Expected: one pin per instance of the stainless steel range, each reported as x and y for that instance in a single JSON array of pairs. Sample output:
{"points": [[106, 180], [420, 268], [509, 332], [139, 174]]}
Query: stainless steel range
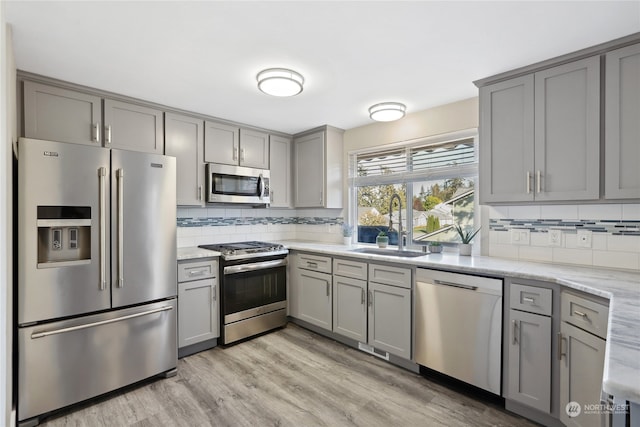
{"points": [[253, 288]]}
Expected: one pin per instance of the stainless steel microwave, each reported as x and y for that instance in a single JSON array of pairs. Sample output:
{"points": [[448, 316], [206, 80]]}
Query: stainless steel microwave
{"points": [[237, 184]]}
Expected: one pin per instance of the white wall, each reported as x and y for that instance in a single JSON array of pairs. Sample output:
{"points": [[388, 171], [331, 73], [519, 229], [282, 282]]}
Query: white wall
{"points": [[8, 134]]}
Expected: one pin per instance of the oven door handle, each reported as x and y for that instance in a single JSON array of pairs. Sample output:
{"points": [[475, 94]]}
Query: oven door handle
{"points": [[244, 268]]}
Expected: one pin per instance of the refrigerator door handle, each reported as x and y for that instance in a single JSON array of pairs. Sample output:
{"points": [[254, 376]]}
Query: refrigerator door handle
{"points": [[102, 322], [120, 178], [102, 173]]}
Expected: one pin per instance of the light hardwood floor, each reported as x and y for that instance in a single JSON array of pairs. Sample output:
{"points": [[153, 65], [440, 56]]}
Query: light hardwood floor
{"points": [[290, 377]]}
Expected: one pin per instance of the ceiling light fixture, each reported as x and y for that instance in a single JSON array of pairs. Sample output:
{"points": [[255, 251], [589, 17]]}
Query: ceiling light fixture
{"points": [[280, 82], [387, 111]]}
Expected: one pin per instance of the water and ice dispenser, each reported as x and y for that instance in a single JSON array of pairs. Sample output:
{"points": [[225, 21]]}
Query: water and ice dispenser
{"points": [[64, 236]]}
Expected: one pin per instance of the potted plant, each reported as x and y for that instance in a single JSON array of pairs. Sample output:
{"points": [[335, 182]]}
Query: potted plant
{"points": [[465, 238], [435, 247], [383, 239], [347, 233]]}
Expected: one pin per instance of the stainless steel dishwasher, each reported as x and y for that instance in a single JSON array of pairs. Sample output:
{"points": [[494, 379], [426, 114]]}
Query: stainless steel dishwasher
{"points": [[459, 326]]}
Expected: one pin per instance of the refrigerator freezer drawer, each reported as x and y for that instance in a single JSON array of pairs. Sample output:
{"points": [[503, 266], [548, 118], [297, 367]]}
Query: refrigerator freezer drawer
{"points": [[66, 362]]}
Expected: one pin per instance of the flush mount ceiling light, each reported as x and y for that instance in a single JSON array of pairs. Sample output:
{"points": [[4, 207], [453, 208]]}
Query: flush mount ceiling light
{"points": [[387, 111], [280, 82]]}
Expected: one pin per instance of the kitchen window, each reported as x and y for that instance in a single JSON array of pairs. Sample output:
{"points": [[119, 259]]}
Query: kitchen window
{"points": [[435, 179]]}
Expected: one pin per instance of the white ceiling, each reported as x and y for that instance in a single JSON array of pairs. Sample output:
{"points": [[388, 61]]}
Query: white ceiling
{"points": [[203, 56]]}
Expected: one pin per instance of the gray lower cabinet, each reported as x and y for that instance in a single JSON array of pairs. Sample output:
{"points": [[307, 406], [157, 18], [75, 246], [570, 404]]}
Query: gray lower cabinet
{"points": [[198, 302], [314, 301], [540, 135], [582, 336], [133, 127], [529, 378], [184, 139], [390, 319], [350, 308], [55, 114], [622, 127]]}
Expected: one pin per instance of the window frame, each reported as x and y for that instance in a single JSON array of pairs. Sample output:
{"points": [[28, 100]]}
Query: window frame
{"points": [[409, 177]]}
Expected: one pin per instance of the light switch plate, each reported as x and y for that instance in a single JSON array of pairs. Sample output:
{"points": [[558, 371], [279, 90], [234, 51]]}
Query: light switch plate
{"points": [[520, 236], [555, 237], [584, 238]]}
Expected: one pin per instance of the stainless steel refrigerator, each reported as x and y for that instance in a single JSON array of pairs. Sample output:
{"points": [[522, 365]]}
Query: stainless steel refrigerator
{"points": [[96, 297]]}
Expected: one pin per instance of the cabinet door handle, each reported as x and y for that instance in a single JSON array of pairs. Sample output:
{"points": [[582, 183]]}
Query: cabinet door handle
{"points": [[514, 332], [370, 295], [362, 296], [529, 300], [213, 290], [328, 289], [528, 182], [199, 195], [312, 264], [96, 132], [197, 272], [242, 154], [107, 136], [235, 153], [538, 184], [321, 201], [581, 314], [561, 340]]}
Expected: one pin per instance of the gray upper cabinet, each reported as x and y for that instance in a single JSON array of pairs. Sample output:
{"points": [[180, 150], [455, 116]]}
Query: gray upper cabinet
{"points": [[133, 127], [506, 134], [280, 172], [62, 115], [221, 143], [567, 131], [622, 127], [184, 139], [254, 149], [540, 135], [231, 145], [318, 169]]}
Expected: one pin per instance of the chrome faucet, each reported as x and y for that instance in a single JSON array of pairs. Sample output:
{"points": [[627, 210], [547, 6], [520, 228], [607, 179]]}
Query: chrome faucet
{"points": [[393, 197]]}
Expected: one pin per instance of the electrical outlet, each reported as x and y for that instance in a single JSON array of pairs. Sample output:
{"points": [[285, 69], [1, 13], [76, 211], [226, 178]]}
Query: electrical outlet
{"points": [[584, 238], [520, 236], [555, 237]]}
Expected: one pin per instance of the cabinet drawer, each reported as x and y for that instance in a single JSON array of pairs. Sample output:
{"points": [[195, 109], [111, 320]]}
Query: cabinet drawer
{"points": [[531, 299], [348, 268], [388, 275], [585, 314], [197, 269], [314, 263]]}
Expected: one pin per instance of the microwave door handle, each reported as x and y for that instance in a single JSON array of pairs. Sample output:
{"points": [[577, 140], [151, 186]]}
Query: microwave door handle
{"points": [[261, 186]]}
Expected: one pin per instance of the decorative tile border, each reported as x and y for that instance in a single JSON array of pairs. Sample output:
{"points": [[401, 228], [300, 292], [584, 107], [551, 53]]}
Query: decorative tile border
{"points": [[629, 228], [267, 220]]}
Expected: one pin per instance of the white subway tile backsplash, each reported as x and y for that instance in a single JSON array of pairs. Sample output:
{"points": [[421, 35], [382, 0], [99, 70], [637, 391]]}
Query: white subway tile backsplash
{"points": [[611, 212], [503, 251], [623, 243], [565, 212], [573, 256], [524, 212], [599, 241], [539, 254], [539, 239], [626, 260], [570, 240], [631, 212]]}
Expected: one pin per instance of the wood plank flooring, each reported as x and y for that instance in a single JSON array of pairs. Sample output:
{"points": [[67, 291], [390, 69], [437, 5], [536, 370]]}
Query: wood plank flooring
{"points": [[290, 377]]}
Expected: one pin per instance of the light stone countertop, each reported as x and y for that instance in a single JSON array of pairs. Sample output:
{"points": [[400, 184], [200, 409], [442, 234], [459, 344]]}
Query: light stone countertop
{"points": [[622, 357], [195, 253]]}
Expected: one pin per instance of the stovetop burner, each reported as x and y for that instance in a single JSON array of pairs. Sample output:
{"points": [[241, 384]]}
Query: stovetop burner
{"points": [[240, 250]]}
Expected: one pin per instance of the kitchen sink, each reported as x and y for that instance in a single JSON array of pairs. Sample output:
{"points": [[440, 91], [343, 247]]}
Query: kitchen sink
{"points": [[389, 252]]}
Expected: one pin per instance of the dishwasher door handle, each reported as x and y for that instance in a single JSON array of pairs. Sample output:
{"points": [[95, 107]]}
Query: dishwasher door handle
{"points": [[456, 285]]}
